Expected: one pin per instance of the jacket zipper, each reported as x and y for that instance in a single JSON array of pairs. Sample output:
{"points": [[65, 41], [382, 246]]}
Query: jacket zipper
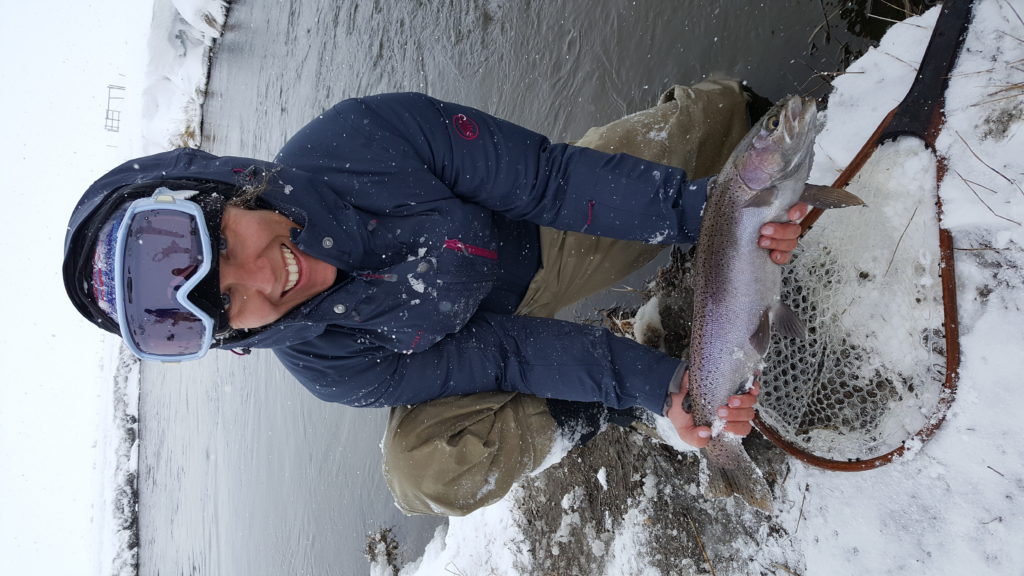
{"points": [[377, 276], [456, 244]]}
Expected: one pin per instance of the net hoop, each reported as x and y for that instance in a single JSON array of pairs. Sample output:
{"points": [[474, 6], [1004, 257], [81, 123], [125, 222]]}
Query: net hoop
{"points": [[947, 276]]}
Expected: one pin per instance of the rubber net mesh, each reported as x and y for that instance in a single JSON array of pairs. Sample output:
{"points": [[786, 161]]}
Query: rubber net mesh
{"points": [[865, 281]]}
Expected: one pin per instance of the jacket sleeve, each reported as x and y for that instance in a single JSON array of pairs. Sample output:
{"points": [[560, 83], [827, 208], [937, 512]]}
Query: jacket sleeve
{"points": [[393, 138], [493, 352]]}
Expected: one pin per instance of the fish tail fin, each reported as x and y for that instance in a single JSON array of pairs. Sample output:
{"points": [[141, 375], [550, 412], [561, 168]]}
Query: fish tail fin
{"points": [[730, 471]]}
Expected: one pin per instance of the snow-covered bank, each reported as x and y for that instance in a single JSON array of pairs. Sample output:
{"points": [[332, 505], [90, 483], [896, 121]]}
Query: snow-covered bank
{"points": [[119, 462], [183, 36], [954, 506]]}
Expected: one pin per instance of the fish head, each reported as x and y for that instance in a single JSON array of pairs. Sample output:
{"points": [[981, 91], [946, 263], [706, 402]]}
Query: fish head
{"points": [[779, 144]]}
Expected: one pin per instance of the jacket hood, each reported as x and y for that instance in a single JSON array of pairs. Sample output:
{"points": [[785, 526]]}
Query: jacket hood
{"points": [[230, 174]]}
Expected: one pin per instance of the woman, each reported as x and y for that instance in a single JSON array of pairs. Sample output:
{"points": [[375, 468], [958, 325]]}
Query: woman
{"points": [[402, 251]]}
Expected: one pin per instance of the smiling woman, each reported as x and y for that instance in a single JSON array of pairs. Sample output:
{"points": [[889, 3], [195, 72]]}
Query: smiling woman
{"points": [[401, 265]]}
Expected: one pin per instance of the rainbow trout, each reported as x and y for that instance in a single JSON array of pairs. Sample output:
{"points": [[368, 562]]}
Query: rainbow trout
{"points": [[737, 288]]}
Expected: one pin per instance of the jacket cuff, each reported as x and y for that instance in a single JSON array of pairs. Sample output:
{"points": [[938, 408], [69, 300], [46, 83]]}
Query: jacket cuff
{"points": [[695, 196], [675, 385]]}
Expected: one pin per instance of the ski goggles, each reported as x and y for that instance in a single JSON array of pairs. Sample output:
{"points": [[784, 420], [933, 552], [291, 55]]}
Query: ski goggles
{"points": [[162, 256]]}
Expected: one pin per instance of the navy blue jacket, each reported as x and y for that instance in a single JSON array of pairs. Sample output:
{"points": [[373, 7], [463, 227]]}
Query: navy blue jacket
{"points": [[433, 210]]}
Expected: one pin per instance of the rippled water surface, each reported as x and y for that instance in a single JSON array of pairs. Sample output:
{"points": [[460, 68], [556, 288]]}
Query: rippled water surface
{"points": [[244, 472]]}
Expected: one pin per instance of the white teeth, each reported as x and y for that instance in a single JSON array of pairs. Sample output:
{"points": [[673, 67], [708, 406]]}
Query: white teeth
{"points": [[291, 266]]}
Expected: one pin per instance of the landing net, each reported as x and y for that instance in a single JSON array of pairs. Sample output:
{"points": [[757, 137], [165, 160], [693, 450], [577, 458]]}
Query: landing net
{"points": [[865, 281]]}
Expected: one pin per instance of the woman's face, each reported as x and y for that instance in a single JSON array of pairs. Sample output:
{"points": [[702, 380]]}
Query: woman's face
{"points": [[263, 273]]}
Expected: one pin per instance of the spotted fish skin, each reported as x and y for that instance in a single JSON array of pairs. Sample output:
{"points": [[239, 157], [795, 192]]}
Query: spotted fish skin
{"points": [[737, 288]]}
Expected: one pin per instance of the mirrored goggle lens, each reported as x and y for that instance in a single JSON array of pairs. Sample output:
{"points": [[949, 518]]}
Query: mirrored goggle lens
{"points": [[163, 253]]}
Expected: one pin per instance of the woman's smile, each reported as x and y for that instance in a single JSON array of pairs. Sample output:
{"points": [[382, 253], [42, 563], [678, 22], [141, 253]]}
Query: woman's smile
{"points": [[291, 267]]}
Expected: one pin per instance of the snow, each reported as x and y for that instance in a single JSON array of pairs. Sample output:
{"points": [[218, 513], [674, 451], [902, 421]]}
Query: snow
{"points": [[490, 537], [179, 56], [954, 505], [630, 537]]}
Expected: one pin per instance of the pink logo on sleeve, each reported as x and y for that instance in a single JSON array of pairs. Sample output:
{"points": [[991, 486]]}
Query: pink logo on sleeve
{"points": [[465, 126]]}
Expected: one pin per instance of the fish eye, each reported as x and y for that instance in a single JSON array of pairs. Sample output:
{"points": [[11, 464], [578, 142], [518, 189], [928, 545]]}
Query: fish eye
{"points": [[772, 122]]}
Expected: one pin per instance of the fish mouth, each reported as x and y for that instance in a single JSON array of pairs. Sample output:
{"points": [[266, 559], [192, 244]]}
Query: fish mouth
{"points": [[798, 118], [804, 114], [291, 268]]}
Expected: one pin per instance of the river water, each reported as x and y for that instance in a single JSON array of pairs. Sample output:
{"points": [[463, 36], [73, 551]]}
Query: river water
{"points": [[242, 472]]}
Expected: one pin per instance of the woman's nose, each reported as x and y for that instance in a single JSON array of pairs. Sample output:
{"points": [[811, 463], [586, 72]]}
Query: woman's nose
{"points": [[253, 274]]}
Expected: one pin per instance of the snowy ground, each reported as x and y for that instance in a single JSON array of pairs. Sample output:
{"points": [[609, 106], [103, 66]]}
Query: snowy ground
{"points": [[955, 506]]}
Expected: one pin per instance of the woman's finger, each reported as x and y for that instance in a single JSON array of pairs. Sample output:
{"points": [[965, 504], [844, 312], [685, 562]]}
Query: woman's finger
{"points": [[780, 257], [698, 436], [736, 414], [780, 231], [782, 244], [742, 401], [738, 428]]}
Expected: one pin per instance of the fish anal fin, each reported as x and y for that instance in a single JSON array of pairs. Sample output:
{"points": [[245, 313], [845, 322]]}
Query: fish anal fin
{"points": [[828, 197], [762, 336]]}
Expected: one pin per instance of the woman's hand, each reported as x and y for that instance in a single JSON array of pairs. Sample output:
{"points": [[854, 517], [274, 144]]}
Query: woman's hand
{"points": [[737, 414], [781, 237]]}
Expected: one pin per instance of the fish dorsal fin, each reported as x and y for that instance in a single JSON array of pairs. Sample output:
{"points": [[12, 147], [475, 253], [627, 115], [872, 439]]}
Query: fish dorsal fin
{"points": [[762, 336], [787, 323], [761, 199], [825, 197]]}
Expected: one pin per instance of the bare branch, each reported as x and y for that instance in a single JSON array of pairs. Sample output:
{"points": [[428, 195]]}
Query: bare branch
{"points": [[900, 241], [975, 192], [983, 102], [895, 21], [1014, 10], [700, 543], [905, 8], [986, 163], [784, 569], [912, 66], [1011, 36]]}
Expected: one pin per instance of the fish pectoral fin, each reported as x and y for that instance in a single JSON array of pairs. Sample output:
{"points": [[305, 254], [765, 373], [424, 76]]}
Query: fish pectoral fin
{"points": [[762, 336], [787, 323], [761, 199], [828, 197], [783, 320], [711, 185]]}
